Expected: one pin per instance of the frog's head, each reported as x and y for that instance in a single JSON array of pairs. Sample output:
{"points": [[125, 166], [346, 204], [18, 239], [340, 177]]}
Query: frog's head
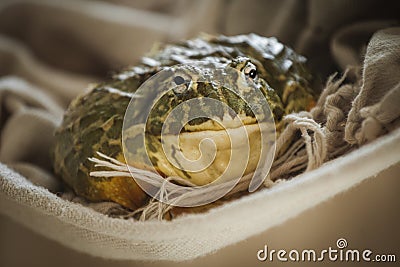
{"points": [[225, 82], [209, 100]]}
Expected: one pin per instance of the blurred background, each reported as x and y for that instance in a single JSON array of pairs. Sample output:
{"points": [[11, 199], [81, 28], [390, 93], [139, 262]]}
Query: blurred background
{"points": [[61, 46], [82, 41]]}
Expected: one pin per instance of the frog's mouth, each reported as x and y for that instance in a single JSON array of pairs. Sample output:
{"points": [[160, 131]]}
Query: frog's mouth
{"points": [[227, 122]]}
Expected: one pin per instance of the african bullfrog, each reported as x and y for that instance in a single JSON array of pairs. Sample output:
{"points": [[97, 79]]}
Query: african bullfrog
{"points": [[94, 120]]}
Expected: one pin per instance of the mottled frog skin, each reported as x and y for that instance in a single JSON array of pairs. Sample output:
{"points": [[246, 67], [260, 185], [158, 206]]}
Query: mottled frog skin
{"points": [[93, 121]]}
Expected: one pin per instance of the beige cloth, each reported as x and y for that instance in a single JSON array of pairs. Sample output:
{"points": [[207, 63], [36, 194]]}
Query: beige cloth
{"points": [[376, 109], [31, 110]]}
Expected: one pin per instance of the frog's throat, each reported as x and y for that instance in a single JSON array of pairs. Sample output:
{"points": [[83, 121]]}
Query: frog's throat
{"points": [[236, 152]]}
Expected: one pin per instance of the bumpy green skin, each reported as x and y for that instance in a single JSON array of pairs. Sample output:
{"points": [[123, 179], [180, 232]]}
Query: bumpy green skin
{"points": [[93, 122]]}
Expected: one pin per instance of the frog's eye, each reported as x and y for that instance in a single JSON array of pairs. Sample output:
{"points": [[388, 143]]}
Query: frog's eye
{"points": [[251, 71], [253, 74], [179, 80]]}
